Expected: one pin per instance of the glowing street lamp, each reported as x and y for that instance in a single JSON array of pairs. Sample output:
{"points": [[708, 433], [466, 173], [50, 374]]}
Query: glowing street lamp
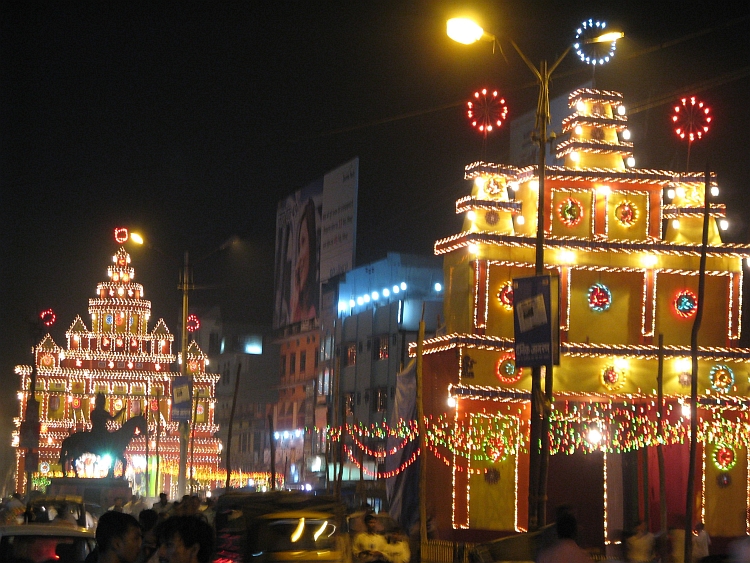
{"points": [[466, 31]]}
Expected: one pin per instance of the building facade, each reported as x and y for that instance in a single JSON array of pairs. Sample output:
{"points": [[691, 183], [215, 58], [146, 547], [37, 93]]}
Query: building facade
{"points": [[133, 367], [624, 244]]}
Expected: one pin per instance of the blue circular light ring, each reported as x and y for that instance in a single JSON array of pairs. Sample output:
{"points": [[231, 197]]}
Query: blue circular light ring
{"points": [[587, 52], [722, 378]]}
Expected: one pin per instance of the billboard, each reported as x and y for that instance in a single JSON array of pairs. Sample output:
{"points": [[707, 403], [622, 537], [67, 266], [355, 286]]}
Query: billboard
{"points": [[315, 238]]}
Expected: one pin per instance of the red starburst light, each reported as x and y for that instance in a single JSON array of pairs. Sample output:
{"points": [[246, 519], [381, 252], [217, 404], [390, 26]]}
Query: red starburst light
{"points": [[48, 317], [487, 110], [193, 323], [121, 235], [691, 119]]}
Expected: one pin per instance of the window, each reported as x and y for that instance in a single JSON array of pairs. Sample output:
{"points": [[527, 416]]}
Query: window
{"points": [[349, 404], [380, 350], [302, 361], [324, 382], [292, 363], [351, 354], [317, 356], [282, 370], [380, 400]]}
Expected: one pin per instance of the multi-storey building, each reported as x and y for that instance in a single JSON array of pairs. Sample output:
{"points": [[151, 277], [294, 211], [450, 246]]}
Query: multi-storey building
{"points": [[625, 245], [132, 366]]}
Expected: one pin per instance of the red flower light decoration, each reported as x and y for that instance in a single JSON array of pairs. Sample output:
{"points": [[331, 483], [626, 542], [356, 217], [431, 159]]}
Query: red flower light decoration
{"points": [[691, 118], [193, 323], [486, 111], [686, 303], [121, 235], [570, 211], [505, 295], [506, 370], [48, 317], [724, 458]]}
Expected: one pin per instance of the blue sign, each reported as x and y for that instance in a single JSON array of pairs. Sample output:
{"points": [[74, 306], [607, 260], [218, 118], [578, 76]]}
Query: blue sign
{"points": [[182, 398], [536, 321]]}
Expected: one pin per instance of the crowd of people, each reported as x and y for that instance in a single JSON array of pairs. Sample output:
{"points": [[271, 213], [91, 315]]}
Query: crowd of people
{"points": [[374, 545], [178, 532]]}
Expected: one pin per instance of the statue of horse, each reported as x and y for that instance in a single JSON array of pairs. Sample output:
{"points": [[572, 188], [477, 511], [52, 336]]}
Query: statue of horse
{"points": [[114, 445]]}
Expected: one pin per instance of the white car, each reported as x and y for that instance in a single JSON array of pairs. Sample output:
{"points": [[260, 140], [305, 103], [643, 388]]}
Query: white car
{"points": [[45, 543]]}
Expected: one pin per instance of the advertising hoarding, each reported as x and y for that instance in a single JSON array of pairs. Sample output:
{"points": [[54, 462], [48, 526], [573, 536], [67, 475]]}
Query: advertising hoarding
{"points": [[315, 240]]}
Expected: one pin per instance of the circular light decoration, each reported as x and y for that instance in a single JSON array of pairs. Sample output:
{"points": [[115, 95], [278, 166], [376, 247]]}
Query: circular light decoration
{"points": [[506, 369], [487, 110], [570, 212], [626, 213], [121, 235], [600, 297], [154, 404], [109, 319], [505, 295], [47, 360], [691, 119], [593, 53], [686, 303], [492, 217], [613, 378], [76, 402], [193, 365], [48, 317], [193, 323], [118, 404], [722, 378], [685, 378], [492, 476], [724, 457]]}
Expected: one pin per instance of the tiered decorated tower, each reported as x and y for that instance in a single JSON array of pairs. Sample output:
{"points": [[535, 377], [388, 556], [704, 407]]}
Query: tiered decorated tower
{"points": [[132, 367], [625, 244]]}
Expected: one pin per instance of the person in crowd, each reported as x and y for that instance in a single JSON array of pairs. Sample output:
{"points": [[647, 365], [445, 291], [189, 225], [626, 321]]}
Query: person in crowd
{"points": [[701, 542], [163, 505], [397, 548], [185, 539], [370, 545], [118, 506], [148, 520], [565, 550], [134, 506], [641, 544], [118, 538]]}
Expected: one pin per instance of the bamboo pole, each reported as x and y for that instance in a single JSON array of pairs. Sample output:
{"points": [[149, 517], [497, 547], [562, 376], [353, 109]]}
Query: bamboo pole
{"points": [[422, 436], [231, 425], [694, 375]]}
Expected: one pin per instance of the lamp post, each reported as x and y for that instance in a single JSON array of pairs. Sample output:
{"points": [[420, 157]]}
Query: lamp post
{"points": [[466, 31]]}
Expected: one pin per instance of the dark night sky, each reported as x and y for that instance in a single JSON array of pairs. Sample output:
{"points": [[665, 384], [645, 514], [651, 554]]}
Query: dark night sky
{"points": [[188, 122]]}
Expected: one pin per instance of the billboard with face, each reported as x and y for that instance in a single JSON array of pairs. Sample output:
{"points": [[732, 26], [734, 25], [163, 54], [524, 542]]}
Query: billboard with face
{"points": [[315, 238], [297, 276]]}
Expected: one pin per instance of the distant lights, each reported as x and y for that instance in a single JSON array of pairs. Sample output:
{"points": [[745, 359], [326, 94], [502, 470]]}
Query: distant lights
{"points": [[670, 193], [649, 260], [366, 298], [626, 134], [575, 157], [520, 220], [375, 295], [579, 130], [451, 401], [473, 248], [580, 106], [534, 185], [594, 436], [603, 190], [396, 289], [675, 223], [630, 161], [438, 287], [402, 285], [360, 301], [386, 292], [471, 215], [714, 191], [621, 111], [723, 224]]}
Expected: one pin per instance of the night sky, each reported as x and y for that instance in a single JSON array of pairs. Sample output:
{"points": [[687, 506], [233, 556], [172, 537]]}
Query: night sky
{"points": [[189, 122]]}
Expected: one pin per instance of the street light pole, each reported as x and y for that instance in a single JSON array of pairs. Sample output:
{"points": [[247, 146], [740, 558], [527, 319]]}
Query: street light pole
{"points": [[466, 31], [184, 426]]}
